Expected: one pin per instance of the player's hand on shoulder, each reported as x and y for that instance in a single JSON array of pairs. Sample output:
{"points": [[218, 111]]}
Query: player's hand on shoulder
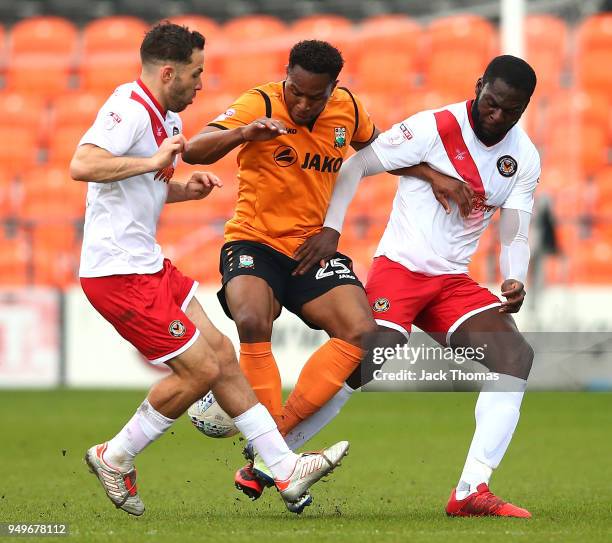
{"points": [[514, 292], [317, 249], [200, 185], [168, 149], [263, 129]]}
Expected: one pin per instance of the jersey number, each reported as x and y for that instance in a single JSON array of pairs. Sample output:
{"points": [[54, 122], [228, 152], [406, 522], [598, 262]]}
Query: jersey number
{"points": [[336, 266]]}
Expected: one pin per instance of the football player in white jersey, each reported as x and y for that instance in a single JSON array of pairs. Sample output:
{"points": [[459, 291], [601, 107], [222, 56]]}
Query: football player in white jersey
{"points": [[419, 274], [128, 158]]}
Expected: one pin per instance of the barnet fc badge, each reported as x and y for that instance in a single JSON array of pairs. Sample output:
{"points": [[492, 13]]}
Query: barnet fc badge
{"points": [[339, 136]]}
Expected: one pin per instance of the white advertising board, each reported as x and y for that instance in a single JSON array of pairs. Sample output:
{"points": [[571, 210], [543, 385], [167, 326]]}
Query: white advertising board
{"points": [[29, 337]]}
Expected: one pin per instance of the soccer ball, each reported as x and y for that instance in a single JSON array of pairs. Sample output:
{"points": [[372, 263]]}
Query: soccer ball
{"points": [[208, 417]]}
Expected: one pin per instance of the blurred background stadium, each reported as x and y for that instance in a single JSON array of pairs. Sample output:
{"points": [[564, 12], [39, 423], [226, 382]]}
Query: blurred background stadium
{"points": [[60, 59]]}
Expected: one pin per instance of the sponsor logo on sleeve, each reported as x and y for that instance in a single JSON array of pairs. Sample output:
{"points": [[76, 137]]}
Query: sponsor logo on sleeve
{"points": [[112, 119], [507, 166], [226, 115], [395, 137]]}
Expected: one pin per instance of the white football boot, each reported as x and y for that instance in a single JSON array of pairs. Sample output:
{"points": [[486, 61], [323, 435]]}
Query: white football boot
{"points": [[119, 487], [309, 468]]}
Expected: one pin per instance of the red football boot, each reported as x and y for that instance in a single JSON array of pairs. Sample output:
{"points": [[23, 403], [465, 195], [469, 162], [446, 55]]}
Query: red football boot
{"points": [[483, 503]]}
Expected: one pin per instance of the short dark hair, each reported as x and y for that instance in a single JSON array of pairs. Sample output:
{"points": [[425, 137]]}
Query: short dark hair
{"points": [[317, 57], [514, 71], [169, 42]]}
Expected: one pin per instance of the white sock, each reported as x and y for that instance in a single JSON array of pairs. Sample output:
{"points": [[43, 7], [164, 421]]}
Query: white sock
{"points": [[258, 427], [310, 427], [497, 414], [143, 428]]}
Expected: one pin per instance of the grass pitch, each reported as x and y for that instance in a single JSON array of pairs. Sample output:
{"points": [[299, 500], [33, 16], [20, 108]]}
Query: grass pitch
{"points": [[407, 451]]}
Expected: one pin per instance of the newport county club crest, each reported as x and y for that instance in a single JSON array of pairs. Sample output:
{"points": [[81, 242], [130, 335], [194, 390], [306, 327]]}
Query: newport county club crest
{"points": [[177, 329], [339, 136], [506, 166], [175, 131], [381, 305]]}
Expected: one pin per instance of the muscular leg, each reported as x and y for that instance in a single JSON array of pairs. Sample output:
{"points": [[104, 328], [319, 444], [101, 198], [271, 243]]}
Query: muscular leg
{"points": [[344, 313], [253, 307], [210, 363], [508, 354]]}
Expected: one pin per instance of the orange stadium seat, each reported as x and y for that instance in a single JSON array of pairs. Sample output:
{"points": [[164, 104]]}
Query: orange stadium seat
{"points": [[41, 57], [23, 110], [382, 107], [63, 144], [113, 34], [421, 100], [454, 73], [250, 27], [193, 248], [603, 187], [591, 262], [383, 33], [22, 153], [591, 72], [14, 256], [8, 195], [50, 194], [462, 34], [585, 148], [335, 29], [102, 74], [387, 71], [75, 109], [206, 107], [594, 33], [55, 253], [250, 66], [546, 46], [574, 108], [204, 25]]}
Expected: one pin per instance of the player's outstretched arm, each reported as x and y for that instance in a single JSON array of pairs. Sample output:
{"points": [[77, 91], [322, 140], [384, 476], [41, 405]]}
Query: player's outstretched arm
{"points": [[514, 257], [199, 186], [320, 247], [94, 164], [213, 143]]}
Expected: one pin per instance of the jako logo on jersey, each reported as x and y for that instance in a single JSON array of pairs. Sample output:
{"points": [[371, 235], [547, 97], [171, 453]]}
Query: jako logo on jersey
{"points": [[381, 305], [175, 131], [506, 166], [177, 329], [246, 261], [285, 155], [313, 162], [339, 137]]}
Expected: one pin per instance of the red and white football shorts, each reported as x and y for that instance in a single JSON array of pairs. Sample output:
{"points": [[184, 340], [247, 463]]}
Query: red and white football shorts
{"points": [[147, 309], [438, 304]]}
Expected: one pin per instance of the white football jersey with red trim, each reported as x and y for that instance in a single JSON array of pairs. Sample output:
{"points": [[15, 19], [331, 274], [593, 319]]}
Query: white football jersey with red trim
{"points": [[121, 217], [419, 234]]}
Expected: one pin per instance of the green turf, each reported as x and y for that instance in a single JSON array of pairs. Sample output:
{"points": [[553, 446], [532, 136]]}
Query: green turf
{"points": [[406, 453]]}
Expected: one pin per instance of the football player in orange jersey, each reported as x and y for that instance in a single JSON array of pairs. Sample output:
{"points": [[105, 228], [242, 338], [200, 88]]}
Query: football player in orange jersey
{"points": [[294, 136]]}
